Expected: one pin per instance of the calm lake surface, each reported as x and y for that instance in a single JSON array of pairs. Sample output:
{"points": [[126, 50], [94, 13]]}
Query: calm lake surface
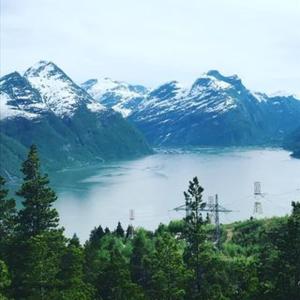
{"points": [[154, 185]]}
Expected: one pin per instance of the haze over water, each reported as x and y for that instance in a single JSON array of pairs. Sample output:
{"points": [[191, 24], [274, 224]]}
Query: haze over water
{"points": [[154, 185]]}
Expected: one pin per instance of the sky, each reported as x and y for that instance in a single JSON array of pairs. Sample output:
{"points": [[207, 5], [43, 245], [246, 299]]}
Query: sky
{"points": [[153, 41]]}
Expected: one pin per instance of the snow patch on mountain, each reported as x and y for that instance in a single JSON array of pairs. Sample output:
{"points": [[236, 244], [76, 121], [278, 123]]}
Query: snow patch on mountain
{"points": [[58, 91], [10, 111], [98, 88]]}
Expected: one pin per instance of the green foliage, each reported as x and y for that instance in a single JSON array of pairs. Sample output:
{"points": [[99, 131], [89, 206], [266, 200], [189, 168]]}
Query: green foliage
{"points": [[4, 280], [256, 259], [194, 235], [37, 214], [119, 231], [38, 266], [71, 275], [7, 218], [168, 272], [114, 280], [142, 248]]}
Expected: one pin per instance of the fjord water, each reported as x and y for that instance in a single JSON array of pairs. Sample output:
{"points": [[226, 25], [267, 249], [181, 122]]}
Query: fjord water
{"points": [[154, 185]]}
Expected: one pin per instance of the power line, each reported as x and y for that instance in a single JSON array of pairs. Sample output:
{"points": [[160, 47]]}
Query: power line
{"points": [[214, 209]]}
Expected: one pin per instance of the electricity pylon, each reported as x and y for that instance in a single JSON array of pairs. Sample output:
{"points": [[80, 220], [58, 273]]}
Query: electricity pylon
{"points": [[214, 209]]}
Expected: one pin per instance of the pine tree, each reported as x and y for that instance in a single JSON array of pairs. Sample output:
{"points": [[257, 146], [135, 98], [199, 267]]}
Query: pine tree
{"points": [[37, 214], [39, 243], [291, 253], [7, 218], [119, 231], [129, 232], [96, 235], [114, 281], [141, 250], [71, 275], [194, 234]]}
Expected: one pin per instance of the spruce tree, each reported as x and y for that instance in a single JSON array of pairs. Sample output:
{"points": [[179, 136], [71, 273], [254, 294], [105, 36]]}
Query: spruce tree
{"points": [[291, 253], [114, 281], [37, 214], [194, 234], [96, 235], [71, 275], [129, 232], [141, 250], [119, 231], [39, 243], [7, 218]]}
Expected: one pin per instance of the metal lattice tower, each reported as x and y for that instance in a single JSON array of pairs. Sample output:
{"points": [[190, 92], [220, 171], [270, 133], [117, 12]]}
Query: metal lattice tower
{"points": [[258, 195], [214, 209]]}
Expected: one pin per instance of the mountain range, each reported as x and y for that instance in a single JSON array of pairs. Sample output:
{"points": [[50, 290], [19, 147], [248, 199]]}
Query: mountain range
{"points": [[103, 119], [216, 110], [44, 106]]}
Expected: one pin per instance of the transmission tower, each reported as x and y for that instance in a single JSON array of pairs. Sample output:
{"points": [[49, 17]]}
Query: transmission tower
{"points": [[214, 209], [258, 195]]}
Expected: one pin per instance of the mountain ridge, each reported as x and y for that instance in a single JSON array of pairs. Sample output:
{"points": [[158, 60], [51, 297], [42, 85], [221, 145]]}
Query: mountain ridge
{"points": [[214, 110], [47, 108]]}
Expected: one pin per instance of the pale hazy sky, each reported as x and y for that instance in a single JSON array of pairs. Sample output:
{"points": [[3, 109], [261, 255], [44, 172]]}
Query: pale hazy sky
{"points": [[152, 41]]}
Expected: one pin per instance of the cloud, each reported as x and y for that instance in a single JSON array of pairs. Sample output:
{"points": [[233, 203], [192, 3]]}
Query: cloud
{"points": [[154, 41]]}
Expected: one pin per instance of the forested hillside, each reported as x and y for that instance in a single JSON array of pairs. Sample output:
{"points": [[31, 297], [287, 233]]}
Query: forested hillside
{"points": [[255, 259]]}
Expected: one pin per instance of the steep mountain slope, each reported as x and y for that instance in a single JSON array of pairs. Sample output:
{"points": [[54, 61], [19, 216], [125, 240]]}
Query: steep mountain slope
{"points": [[214, 110], [292, 143], [47, 108], [120, 96]]}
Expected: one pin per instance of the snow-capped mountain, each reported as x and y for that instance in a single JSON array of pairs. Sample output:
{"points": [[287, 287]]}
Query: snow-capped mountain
{"points": [[120, 96], [214, 110], [59, 92], [19, 98], [70, 127]]}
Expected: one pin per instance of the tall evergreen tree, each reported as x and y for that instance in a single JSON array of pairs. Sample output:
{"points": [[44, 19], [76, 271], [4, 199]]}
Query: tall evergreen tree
{"points": [[37, 214], [39, 243], [114, 281], [129, 232], [141, 250], [194, 234], [119, 231], [71, 275], [96, 235], [106, 230], [7, 218], [291, 253]]}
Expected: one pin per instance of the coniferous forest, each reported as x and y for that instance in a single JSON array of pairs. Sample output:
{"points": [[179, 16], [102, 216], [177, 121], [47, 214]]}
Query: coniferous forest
{"points": [[254, 259]]}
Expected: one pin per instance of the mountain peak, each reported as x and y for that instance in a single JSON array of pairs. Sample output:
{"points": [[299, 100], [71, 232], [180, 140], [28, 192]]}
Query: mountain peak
{"points": [[44, 68], [58, 90], [232, 79], [18, 98]]}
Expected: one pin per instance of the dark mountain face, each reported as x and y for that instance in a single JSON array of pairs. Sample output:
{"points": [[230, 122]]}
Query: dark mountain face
{"points": [[70, 128], [292, 143], [214, 110]]}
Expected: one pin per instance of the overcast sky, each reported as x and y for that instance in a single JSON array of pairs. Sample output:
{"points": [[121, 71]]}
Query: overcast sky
{"points": [[153, 41]]}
